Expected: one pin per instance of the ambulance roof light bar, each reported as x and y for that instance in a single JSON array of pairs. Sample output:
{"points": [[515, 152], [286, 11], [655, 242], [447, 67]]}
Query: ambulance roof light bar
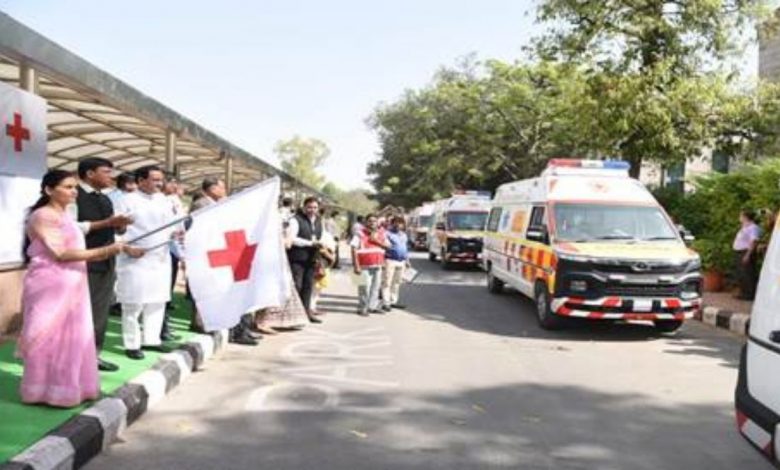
{"points": [[471, 192], [594, 164]]}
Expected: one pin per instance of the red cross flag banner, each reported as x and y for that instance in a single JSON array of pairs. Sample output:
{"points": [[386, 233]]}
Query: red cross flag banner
{"points": [[234, 255], [22, 164]]}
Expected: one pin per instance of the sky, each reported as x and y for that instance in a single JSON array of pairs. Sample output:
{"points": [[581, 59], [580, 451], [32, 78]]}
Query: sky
{"points": [[256, 72]]}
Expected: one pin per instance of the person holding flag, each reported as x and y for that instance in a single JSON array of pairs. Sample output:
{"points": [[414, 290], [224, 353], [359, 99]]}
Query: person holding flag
{"points": [[143, 283]]}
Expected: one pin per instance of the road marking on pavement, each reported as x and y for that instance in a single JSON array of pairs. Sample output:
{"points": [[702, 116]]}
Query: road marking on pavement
{"points": [[329, 362]]}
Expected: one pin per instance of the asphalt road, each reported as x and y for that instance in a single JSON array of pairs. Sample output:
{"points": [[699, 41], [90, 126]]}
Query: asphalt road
{"points": [[461, 380]]}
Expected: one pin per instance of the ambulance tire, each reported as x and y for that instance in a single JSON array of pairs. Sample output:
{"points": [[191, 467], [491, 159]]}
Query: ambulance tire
{"points": [[547, 319], [667, 326], [494, 284], [431, 256]]}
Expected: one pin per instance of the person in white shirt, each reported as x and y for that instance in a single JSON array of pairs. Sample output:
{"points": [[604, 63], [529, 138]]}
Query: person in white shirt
{"points": [[143, 283], [125, 184], [305, 229]]}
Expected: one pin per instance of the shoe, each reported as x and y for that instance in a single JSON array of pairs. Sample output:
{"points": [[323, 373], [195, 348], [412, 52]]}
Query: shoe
{"points": [[169, 307], [134, 354], [314, 319], [267, 330], [169, 337], [244, 340], [197, 329], [386, 308], [363, 313], [254, 335], [161, 348], [317, 312], [106, 366], [374, 310], [115, 310], [399, 306]]}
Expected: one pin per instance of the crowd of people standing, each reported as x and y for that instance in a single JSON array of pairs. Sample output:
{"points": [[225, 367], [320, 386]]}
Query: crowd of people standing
{"points": [[94, 246]]}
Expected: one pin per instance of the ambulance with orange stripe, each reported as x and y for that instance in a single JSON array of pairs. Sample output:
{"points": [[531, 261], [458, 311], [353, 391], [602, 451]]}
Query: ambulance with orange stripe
{"points": [[586, 240]]}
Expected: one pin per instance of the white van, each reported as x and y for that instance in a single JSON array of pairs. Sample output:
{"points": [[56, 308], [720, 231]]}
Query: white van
{"points": [[585, 240], [457, 228], [418, 225], [758, 386]]}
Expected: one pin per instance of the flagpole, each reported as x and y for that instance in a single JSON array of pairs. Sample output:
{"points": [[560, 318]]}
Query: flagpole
{"points": [[200, 211]]}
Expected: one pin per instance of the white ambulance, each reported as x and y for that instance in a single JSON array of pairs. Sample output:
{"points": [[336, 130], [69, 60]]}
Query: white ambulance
{"points": [[758, 386], [586, 240], [418, 225], [457, 228]]}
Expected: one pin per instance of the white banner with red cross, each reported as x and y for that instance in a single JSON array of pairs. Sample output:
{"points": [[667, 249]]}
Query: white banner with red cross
{"points": [[234, 255], [22, 164]]}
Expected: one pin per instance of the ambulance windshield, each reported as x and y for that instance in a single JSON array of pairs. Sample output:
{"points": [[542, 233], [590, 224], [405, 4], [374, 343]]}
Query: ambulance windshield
{"points": [[425, 220], [466, 220], [604, 222]]}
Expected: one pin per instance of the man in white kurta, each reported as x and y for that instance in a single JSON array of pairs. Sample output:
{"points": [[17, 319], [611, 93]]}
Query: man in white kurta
{"points": [[143, 284]]}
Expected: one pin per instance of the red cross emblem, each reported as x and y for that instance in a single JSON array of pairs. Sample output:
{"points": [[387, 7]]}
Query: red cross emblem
{"points": [[18, 132], [238, 255]]}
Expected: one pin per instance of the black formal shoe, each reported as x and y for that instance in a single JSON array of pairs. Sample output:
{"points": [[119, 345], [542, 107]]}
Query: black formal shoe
{"points": [[169, 307], [374, 310], [158, 348], [115, 310], [134, 354], [244, 340], [254, 335], [314, 319], [363, 313], [386, 308], [197, 329], [399, 306], [169, 337], [106, 366]]}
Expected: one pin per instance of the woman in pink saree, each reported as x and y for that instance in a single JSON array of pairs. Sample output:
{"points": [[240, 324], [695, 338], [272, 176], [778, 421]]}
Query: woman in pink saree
{"points": [[57, 341]]}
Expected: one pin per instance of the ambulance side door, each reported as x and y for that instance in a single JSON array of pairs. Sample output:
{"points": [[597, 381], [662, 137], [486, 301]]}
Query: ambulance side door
{"points": [[763, 348], [493, 252]]}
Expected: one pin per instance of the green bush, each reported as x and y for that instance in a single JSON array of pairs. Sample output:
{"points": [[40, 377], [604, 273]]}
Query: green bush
{"points": [[711, 211]]}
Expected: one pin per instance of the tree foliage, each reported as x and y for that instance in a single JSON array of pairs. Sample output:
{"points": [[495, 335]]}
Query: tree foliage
{"points": [[475, 127], [302, 158]]}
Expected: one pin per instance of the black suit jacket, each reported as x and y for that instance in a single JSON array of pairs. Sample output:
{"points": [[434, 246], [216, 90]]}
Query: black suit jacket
{"points": [[93, 207]]}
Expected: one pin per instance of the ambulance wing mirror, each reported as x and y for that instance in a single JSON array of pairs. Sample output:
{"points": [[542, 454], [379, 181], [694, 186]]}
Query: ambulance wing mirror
{"points": [[686, 235], [538, 234]]}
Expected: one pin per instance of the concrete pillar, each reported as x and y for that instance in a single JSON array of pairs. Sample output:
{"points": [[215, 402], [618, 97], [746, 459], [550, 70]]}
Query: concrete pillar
{"points": [[170, 151], [28, 79], [228, 172]]}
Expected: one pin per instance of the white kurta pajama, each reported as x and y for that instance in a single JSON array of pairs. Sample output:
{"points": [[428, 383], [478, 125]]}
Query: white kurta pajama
{"points": [[143, 284]]}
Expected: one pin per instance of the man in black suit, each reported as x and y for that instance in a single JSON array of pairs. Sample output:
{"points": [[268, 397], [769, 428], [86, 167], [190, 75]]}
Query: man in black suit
{"points": [[95, 214]]}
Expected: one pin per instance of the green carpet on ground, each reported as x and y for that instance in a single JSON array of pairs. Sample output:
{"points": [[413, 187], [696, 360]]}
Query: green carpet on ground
{"points": [[22, 425]]}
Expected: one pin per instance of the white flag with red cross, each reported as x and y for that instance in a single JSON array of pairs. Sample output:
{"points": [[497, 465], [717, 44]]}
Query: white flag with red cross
{"points": [[234, 255], [22, 164]]}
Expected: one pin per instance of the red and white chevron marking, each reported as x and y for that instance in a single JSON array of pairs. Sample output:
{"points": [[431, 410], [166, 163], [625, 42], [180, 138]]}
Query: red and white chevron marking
{"points": [[755, 434], [567, 306]]}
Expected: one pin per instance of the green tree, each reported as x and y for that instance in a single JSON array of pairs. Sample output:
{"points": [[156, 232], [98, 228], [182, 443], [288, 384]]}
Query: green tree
{"points": [[302, 158], [654, 68], [476, 127]]}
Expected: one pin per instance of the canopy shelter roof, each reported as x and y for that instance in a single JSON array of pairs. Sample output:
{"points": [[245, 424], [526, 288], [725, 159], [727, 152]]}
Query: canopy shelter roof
{"points": [[92, 113]]}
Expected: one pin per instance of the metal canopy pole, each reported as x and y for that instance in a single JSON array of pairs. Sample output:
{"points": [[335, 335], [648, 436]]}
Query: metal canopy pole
{"points": [[28, 79], [170, 152], [228, 172]]}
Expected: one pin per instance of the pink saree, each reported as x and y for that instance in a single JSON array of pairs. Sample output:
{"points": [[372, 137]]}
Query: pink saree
{"points": [[57, 341]]}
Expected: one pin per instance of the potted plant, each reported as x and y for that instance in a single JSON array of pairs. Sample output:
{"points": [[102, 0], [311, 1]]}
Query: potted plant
{"points": [[716, 260]]}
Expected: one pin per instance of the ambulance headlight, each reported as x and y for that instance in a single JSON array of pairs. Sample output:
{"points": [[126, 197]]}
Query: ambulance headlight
{"points": [[574, 258], [694, 264], [579, 286], [690, 290]]}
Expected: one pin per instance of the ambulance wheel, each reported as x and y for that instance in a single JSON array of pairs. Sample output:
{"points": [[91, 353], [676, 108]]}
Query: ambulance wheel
{"points": [[494, 284], [431, 256], [544, 314], [667, 326]]}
